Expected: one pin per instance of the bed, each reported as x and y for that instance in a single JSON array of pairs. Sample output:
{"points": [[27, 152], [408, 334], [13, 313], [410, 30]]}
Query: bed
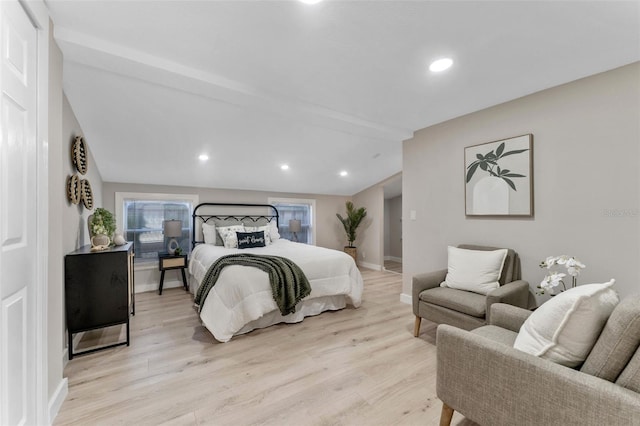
{"points": [[241, 300]]}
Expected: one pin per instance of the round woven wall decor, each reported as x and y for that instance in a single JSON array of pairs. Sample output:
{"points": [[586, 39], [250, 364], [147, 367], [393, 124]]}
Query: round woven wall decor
{"points": [[79, 155], [87, 194], [73, 189]]}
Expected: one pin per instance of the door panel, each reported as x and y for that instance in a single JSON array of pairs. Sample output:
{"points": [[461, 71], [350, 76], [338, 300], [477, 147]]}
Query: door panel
{"points": [[18, 156]]}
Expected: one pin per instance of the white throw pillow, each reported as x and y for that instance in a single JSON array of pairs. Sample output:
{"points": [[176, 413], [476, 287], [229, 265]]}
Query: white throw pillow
{"points": [[273, 231], [266, 229], [228, 235], [565, 328], [474, 270], [209, 233]]}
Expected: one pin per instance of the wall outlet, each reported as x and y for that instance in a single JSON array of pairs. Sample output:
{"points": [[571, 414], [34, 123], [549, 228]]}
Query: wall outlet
{"points": [[364, 255]]}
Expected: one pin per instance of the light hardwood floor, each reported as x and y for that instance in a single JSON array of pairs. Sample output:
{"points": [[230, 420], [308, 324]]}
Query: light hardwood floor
{"points": [[352, 367], [393, 266]]}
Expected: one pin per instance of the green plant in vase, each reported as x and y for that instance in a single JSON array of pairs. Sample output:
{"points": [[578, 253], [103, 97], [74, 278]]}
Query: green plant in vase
{"points": [[351, 223], [102, 222]]}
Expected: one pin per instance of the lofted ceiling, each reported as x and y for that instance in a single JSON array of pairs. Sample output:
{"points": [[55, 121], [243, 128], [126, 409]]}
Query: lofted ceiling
{"points": [[323, 88]]}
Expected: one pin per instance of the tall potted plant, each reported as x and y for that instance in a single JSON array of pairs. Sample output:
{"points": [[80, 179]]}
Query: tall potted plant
{"points": [[350, 224]]}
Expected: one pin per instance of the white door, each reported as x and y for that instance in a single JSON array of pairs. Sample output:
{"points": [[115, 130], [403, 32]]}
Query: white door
{"points": [[18, 155]]}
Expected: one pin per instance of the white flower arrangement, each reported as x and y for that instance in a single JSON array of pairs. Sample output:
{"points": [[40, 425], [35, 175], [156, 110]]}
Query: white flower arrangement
{"points": [[554, 279]]}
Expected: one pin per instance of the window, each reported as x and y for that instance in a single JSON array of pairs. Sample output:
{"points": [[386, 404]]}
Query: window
{"points": [[297, 209], [141, 218]]}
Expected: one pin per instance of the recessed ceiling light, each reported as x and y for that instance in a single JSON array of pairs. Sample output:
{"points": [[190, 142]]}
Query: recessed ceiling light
{"points": [[285, 167], [203, 157], [343, 173], [440, 65], [310, 1]]}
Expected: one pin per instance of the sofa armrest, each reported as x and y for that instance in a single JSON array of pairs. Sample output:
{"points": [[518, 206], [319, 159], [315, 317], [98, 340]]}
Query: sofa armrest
{"points": [[515, 293], [492, 383], [508, 316], [422, 282]]}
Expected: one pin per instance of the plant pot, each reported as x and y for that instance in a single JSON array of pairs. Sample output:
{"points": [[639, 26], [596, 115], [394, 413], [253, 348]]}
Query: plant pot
{"points": [[100, 242], [351, 251]]}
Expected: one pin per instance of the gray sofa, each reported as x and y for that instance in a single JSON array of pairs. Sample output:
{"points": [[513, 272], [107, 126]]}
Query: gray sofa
{"points": [[465, 309], [481, 375]]}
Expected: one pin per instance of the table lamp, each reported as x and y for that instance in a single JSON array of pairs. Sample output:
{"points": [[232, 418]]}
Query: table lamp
{"points": [[172, 229], [295, 226]]}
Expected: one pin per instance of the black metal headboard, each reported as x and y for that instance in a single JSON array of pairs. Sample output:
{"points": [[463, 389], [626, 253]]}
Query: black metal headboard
{"points": [[204, 217]]}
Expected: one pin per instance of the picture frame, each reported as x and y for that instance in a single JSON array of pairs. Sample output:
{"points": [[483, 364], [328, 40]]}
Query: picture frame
{"points": [[498, 178]]}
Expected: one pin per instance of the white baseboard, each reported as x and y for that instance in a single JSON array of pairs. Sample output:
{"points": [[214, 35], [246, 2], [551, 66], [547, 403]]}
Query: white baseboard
{"points": [[394, 258], [406, 298], [153, 286], [370, 266], [58, 398]]}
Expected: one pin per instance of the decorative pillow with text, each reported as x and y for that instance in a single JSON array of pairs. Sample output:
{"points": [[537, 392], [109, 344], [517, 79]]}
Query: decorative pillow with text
{"points": [[266, 229], [251, 239]]}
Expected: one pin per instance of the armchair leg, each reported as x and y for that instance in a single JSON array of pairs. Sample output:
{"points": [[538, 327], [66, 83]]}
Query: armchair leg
{"points": [[446, 415], [416, 326]]}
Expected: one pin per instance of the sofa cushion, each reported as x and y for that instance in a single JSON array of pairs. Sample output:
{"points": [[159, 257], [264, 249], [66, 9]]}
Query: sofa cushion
{"points": [[461, 301], [474, 270], [497, 334], [617, 343], [564, 329], [630, 376]]}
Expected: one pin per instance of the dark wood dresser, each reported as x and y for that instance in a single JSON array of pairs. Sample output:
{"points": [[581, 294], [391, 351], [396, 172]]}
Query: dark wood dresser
{"points": [[99, 291]]}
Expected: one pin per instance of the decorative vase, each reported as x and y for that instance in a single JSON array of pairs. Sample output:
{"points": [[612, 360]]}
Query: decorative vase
{"points": [[100, 242], [351, 251], [491, 196], [119, 240]]}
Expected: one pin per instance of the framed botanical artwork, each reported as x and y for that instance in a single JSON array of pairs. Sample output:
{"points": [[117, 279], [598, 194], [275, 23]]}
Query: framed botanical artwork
{"points": [[499, 177]]}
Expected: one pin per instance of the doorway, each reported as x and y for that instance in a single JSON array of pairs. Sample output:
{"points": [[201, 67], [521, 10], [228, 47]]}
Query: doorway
{"points": [[393, 225]]}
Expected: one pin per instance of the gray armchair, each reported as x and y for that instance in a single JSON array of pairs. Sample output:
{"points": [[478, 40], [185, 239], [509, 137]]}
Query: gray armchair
{"points": [[465, 309], [481, 375]]}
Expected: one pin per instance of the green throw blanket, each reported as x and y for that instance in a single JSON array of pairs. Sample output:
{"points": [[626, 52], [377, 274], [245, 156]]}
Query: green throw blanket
{"points": [[289, 285]]}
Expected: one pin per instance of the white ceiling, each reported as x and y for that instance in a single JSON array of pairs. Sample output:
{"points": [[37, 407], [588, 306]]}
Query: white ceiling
{"points": [[327, 87]]}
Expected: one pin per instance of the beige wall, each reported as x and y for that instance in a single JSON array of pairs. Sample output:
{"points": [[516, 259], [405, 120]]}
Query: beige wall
{"points": [[586, 182], [74, 220], [395, 227], [329, 232], [370, 234], [67, 222]]}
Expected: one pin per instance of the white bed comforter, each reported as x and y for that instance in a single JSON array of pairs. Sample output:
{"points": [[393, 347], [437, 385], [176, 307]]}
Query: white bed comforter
{"points": [[241, 300]]}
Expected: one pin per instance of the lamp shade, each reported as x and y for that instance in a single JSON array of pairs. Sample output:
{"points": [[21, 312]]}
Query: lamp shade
{"points": [[295, 225], [172, 228]]}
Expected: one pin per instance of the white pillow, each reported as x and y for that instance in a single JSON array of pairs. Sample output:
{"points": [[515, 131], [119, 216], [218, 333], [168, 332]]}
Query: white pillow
{"points": [[266, 229], [564, 329], [209, 233], [273, 232], [228, 235], [474, 270]]}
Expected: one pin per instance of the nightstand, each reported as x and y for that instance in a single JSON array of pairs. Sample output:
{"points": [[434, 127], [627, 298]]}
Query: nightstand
{"points": [[167, 262]]}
